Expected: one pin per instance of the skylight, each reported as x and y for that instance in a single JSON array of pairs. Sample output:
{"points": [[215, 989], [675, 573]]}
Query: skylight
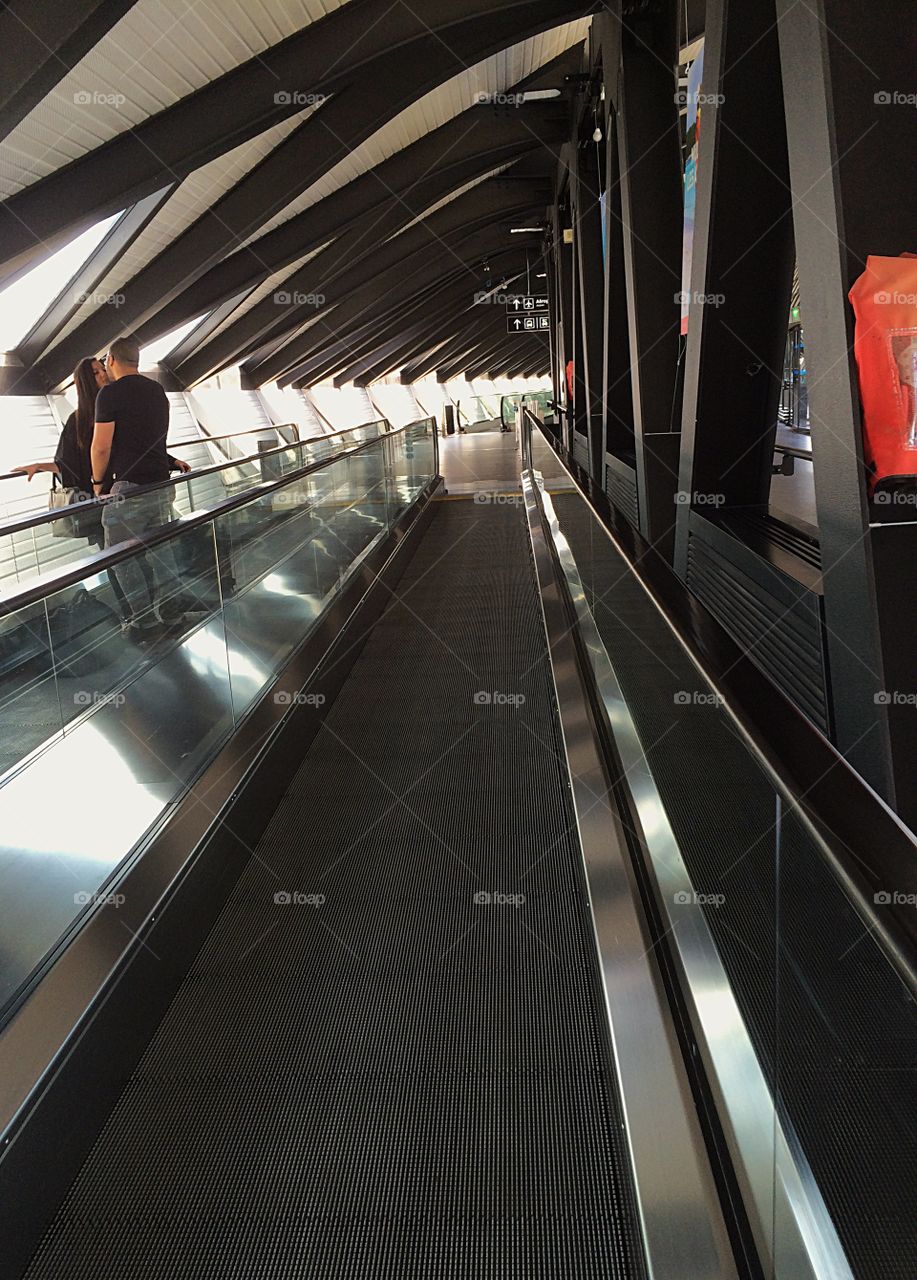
{"points": [[25, 301]]}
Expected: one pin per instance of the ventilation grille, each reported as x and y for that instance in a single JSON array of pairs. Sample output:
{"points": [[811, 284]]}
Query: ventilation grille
{"points": [[783, 635], [622, 493]]}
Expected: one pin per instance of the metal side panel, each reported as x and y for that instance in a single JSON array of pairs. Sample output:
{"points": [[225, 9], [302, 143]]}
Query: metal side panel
{"points": [[684, 1233]]}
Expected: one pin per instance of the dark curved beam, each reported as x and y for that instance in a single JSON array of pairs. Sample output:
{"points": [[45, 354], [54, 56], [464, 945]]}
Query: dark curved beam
{"points": [[323, 277], [351, 338], [298, 162], [362, 37], [484, 339], [480, 139], [436, 315], [383, 294], [39, 43], [356, 332]]}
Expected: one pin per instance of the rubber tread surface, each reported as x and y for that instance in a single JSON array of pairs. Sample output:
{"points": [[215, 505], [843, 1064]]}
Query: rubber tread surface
{"points": [[371, 1070]]}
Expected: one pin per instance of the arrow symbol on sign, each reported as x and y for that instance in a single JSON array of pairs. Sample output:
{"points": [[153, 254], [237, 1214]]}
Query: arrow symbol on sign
{"points": [[517, 322]]}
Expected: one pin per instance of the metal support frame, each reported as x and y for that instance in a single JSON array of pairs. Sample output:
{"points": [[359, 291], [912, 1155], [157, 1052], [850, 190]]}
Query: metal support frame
{"points": [[742, 270], [587, 243], [651, 212], [857, 197]]}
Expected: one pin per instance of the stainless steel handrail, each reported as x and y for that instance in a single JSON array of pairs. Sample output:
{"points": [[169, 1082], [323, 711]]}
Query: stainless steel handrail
{"points": [[49, 584]]}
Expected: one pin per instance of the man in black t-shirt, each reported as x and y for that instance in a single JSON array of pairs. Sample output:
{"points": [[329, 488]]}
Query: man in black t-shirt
{"points": [[128, 452]]}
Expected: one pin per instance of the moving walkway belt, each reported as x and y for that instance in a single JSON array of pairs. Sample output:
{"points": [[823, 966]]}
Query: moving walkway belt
{"points": [[389, 1058]]}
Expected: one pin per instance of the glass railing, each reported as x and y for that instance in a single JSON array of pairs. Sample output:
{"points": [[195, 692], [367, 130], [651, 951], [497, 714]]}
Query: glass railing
{"points": [[47, 541], [472, 410], [540, 402], [120, 677], [787, 940]]}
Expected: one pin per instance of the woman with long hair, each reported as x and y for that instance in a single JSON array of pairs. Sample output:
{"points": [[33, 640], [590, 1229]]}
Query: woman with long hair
{"points": [[71, 461]]}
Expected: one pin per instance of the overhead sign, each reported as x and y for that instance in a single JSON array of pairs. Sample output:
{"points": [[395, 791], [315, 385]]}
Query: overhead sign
{"points": [[526, 302], [527, 324]]}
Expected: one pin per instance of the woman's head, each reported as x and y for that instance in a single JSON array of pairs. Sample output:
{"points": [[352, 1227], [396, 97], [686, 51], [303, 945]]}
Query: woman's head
{"points": [[88, 376]]}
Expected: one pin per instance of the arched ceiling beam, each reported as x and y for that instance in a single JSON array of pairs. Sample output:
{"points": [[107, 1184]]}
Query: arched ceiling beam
{"points": [[480, 139], [432, 266], [433, 316], [353, 335], [324, 277], [373, 54], [40, 43], [484, 339]]}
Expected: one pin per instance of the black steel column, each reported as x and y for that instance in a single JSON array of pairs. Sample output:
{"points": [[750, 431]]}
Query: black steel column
{"points": [[851, 147], [587, 244], [651, 209], [742, 269]]}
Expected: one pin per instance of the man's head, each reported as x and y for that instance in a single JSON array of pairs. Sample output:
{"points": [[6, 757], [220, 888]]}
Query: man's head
{"points": [[123, 358]]}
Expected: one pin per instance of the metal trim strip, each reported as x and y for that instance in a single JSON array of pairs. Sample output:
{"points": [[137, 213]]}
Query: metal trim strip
{"points": [[776, 1181], [685, 1236]]}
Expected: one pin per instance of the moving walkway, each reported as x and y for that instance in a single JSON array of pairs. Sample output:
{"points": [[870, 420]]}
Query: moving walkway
{"points": [[447, 917]]}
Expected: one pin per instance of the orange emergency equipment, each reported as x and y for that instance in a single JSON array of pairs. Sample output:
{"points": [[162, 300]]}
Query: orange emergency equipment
{"points": [[884, 300]]}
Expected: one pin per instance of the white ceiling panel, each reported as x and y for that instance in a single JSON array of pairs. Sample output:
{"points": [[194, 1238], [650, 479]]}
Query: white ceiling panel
{"points": [[159, 52], [199, 192], [263, 290], [493, 75]]}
